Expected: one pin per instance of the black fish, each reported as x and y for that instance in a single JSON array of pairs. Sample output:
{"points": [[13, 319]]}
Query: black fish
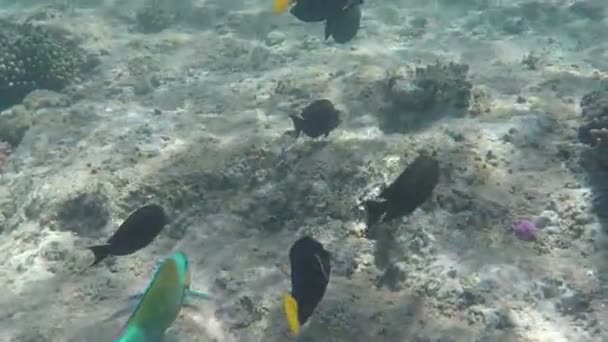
{"points": [[319, 10], [310, 273], [410, 190], [310, 11], [317, 119], [343, 17], [135, 233], [344, 26]]}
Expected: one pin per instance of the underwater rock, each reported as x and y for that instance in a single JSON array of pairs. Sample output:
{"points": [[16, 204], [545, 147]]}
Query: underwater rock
{"points": [[594, 130], [14, 123], [436, 90], [588, 10], [84, 214], [481, 102], [156, 15], [491, 317], [573, 303]]}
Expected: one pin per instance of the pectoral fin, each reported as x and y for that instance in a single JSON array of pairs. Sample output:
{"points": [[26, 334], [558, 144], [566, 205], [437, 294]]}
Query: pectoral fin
{"points": [[192, 296]]}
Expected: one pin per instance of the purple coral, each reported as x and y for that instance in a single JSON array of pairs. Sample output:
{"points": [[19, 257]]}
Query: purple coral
{"points": [[525, 230]]}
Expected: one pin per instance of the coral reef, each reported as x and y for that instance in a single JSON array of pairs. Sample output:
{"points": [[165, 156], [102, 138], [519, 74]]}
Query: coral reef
{"points": [[156, 15], [34, 57], [594, 130], [436, 90]]}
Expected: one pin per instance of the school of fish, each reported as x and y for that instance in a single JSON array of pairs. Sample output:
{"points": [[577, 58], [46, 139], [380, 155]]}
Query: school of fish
{"points": [[159, 305]]}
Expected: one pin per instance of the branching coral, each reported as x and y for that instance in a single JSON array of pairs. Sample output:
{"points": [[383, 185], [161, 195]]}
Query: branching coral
{"points": [[435, 90], [594, 130]]}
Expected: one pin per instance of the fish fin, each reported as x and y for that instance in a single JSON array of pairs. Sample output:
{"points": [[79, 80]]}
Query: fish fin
{"points": [[133, 299], [375, 210], [290, 305], [192, 296], [327, 29], [198, 295], [100, 252], [280, 6], [297, 124]]}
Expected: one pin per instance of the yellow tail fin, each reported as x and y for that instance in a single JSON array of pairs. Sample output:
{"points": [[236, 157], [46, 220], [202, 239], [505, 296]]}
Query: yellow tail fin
{"points": [[291, 312], [280, 6]]}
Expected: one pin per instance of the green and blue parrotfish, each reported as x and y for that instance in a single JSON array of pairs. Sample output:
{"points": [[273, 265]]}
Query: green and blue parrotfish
{"points": [[160, 304]]}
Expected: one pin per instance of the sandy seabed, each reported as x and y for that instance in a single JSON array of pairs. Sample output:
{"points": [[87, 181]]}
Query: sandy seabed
{"points": [[194, 117]]}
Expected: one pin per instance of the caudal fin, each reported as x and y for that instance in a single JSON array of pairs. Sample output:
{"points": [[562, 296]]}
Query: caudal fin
{"points": [[375, 210], [280, 6], [297, 124], [100, 252], [290, 305]]}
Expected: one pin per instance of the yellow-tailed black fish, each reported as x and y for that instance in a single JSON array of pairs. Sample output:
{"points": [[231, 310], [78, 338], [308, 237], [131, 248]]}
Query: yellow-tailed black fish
{"points": [[135, 233], [410, 190], [310, 272], [317, 119], [342, 17]]}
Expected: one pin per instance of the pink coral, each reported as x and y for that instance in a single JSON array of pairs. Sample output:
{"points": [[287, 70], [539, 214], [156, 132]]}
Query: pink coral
{"points": [[525, 230]]}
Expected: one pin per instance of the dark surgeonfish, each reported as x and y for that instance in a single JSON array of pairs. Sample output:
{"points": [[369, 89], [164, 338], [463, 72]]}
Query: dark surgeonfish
{"points": [[410, 190], [342, 17], [135, 233], [344, 27], [310, 272], [310, 11], [317, 119]]}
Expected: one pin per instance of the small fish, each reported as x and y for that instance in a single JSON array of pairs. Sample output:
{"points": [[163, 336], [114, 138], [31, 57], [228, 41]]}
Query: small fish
{"points": [[135, 233], [410, 190], [317, 119], [160, 304], [344, 26], [310, 272]]}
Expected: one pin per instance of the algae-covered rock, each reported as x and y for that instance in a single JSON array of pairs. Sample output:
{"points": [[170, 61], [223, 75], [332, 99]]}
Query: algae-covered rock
{"points": [[436, 90], [152, 17], [34, 57], [85, 213], [156, 15], [14, 123]]}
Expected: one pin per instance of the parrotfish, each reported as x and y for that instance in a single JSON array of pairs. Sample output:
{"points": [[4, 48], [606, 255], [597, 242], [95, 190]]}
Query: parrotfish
{"points": [[310, 272], [135, 233], [160, 304]]}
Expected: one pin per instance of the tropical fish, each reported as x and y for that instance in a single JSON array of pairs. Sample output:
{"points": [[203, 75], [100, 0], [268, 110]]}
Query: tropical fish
{"points": [[318, 118], [281, 5], [160, 304], [310, 11], [310, 272], [410, 190], [342, 17], [135, 233], [344, 26]]}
